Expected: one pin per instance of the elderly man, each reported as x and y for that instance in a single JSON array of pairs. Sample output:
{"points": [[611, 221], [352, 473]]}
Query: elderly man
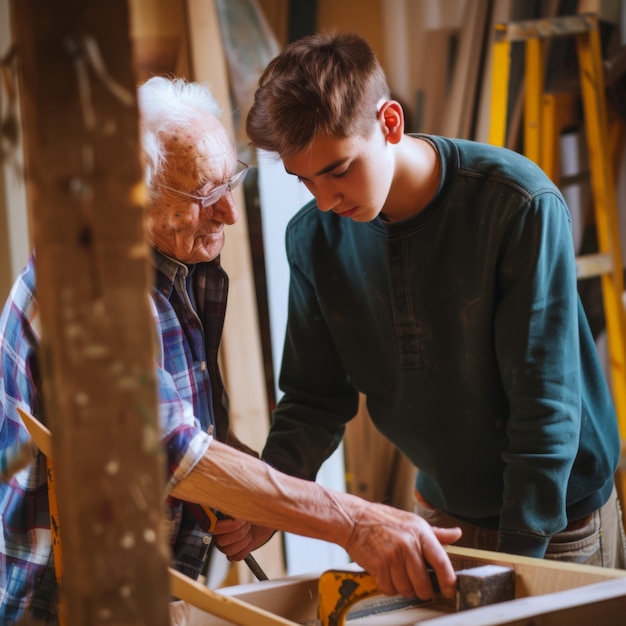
{"points": [[191, 168]]}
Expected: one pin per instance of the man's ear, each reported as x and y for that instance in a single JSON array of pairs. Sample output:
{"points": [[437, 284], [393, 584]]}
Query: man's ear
{"points": [[391, 117]]}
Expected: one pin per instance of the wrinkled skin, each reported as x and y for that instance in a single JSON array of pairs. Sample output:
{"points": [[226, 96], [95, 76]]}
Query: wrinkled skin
{"points": [[199, 158]]}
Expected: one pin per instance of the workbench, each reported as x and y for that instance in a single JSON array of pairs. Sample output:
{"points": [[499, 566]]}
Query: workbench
{"points": [[547, 593]]}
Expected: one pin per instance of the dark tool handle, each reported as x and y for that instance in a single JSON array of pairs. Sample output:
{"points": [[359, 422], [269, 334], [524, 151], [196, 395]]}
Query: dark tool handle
{"points": [[255, 568], [250, 561]]}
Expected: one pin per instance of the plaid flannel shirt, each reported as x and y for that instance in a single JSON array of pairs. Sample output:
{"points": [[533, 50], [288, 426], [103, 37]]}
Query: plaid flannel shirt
{"points": [[188, 305]]}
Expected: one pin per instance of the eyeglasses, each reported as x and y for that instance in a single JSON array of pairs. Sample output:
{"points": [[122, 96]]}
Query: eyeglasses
{"points": [[218, 192]]}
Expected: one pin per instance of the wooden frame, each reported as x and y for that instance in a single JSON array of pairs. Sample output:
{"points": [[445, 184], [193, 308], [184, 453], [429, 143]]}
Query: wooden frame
{"points": [[547, 592]]}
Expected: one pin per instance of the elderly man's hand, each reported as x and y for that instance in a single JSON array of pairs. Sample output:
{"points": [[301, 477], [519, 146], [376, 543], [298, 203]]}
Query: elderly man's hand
{"points": [[396, 547], [237, 538]]}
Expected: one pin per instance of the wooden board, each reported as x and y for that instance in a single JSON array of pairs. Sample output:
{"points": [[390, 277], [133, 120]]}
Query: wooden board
{"points": [[240, 354], [242, 362], [546, 591], [459, 110], [434, 79]]}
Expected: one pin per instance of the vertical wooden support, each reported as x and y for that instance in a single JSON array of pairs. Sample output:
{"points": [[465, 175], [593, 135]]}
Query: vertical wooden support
{"points": [[97, 353], [241, 356], [461, 101], [242, 361]]}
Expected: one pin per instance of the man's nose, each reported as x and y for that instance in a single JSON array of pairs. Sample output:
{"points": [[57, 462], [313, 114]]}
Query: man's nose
{"points": [[225, 210], [327, 198]]}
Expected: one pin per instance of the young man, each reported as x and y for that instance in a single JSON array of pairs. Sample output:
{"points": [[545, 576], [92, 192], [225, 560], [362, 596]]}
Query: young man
{"points": [[191, 168], [437, 277]]}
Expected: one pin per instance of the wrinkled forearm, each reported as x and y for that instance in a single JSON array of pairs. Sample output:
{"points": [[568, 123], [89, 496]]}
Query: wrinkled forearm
{"points": [[391, 544], [247, 488]]}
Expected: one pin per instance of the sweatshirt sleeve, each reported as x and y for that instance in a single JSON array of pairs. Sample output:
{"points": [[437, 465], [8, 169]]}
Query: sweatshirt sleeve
{"points": [[537, 344], [309, 421]]}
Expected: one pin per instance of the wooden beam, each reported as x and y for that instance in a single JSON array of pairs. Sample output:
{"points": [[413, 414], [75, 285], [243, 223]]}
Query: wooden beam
{"points": [[242, 361], [85, 192], [432, 88], [462, 99]]}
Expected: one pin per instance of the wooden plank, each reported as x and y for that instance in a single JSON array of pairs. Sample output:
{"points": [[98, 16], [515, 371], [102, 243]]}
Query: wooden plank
{"points": [[241, 352], [81, 142], [234, 609], [461, 103], [432, 87], [241, 356], [293, 597]]}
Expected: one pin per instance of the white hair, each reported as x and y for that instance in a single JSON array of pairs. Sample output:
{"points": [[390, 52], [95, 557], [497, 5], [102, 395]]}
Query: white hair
{"points": [[167, 106]]}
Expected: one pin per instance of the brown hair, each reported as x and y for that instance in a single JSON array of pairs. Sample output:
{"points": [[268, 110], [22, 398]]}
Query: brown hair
{"points": [[321, 84]]}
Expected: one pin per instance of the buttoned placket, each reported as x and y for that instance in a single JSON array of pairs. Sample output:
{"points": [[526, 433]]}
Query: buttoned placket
{"points": [[195, 337], [405, 323]]}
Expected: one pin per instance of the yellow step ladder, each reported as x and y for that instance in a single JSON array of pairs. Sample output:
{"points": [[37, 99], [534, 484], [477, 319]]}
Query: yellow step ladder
{"points": [[545, 115]]}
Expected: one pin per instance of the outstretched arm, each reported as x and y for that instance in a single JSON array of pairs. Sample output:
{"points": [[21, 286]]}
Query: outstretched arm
{"points": [[394, 546]]}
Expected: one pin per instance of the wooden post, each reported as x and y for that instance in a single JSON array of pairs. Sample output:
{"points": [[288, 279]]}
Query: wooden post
{"points": [[84, 184]]}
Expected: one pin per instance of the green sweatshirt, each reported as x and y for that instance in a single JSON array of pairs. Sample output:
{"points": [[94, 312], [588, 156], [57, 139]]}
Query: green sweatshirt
{"points": [[463, 328]]}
